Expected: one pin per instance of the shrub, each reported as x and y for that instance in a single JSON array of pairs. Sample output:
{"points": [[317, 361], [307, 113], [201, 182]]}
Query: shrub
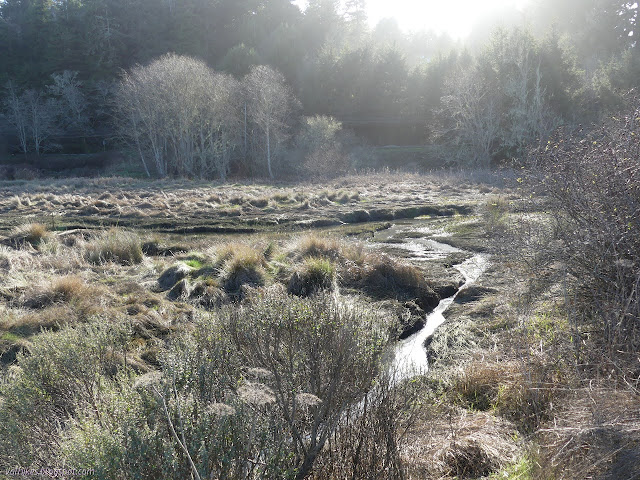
{"points": [[115, 245], [592, 183], [313, 346], [63, 376]]}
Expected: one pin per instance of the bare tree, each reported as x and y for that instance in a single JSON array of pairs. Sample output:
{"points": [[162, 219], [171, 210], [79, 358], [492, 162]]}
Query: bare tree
{"points": [[473, 107], [17, 114], [529, 116], [180, 113], [270, 106], [42, 113], [68, 89]]}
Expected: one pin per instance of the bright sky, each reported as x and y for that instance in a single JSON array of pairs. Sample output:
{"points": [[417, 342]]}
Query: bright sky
{"points": [[456, 17]]}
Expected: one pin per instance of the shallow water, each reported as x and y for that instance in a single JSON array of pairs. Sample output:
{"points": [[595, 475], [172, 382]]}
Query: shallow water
{"points": [[410, 354], [422, 248]]}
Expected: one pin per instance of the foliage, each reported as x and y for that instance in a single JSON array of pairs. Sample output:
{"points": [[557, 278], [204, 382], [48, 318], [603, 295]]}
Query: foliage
{"points": [[66, 375], [320, 356], [486, 99]]}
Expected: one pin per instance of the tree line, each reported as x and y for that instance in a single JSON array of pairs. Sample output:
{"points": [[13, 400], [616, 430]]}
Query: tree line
{"points": [[478, 102]]}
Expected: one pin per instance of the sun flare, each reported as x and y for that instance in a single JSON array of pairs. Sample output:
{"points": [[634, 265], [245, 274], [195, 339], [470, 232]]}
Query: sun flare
{"points": [[456, 18]]}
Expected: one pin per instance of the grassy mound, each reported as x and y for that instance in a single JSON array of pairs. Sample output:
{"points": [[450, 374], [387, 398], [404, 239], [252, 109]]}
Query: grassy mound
{"points": [[313, 275], [117, 246]]}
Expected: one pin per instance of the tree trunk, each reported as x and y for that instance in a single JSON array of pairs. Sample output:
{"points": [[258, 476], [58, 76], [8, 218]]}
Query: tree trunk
{"points": [[269, 152]]}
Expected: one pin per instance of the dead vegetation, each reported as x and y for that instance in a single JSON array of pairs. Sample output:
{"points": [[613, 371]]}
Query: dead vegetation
{"points": [[177, 205], [504, 397]]}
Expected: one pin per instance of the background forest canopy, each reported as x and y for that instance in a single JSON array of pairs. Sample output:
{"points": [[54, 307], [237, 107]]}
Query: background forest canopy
{"points": [[516, 78]]}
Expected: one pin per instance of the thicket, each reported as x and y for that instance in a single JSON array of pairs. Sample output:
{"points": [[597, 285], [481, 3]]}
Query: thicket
{"points": [[591, 182], [485, 101], [274, 387]]}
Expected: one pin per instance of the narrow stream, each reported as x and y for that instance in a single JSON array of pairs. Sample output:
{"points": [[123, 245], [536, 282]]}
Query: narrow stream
{"points": [[410, 354]]}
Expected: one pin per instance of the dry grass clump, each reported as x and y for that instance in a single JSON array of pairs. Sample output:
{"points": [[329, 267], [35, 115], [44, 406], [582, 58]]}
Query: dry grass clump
{"points": [[114, 245], [594, 433], [520, 393], [313, 275], [226, 251], [260, 202], [5, 258], [383, 277], [281, 197], [64, 300], [384, 273], [29, 323], [29, 233], [244, 267], [459, 443], [69, 288], [315, 246]]}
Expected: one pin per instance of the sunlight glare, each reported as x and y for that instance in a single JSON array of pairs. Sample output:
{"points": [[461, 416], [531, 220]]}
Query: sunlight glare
{"points": [[456, 18]]}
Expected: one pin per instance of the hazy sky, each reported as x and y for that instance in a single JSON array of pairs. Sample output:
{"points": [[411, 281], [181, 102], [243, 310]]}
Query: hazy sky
{"points": [[455, 17]]}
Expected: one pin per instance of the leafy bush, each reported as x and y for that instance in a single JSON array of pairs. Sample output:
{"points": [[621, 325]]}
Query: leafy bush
{"points": [[66, 374], [309, 349]]}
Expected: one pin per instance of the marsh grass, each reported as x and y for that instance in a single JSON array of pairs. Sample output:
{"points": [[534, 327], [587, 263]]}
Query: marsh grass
{"points": [[69, 288], [244, 265], [317, 246], [115, 245], [30, 233], [313, 275]]}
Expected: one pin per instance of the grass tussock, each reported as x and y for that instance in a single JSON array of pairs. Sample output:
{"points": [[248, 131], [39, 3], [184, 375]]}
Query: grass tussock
{"points": [[313, 275], [5, 258], [28, 323], [245, 266], [69, 288], [456, 443], [319, 247], [594, 433], [30, 233], [115, 245], [380, 276], [521, 393]]}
